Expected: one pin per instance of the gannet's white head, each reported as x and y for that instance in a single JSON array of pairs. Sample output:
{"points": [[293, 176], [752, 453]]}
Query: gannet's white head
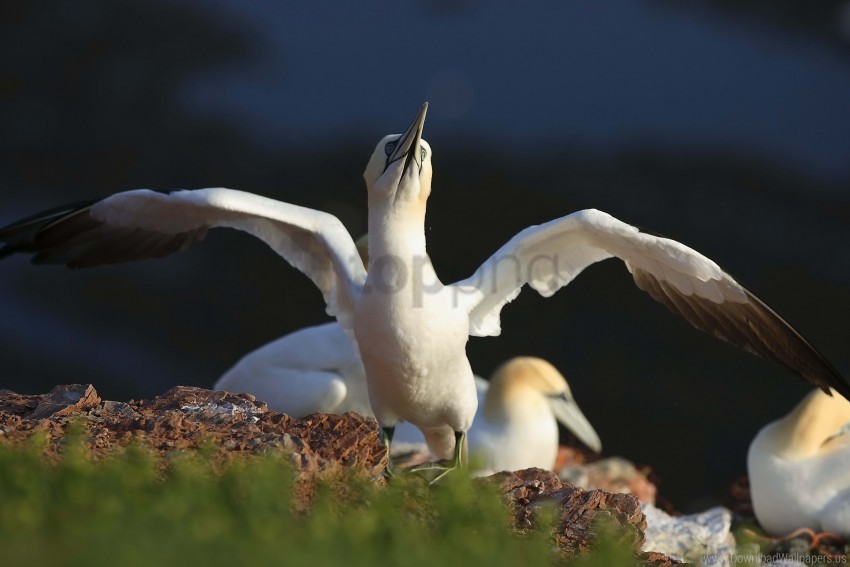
{"points": [[526, 382], [399, 171]]}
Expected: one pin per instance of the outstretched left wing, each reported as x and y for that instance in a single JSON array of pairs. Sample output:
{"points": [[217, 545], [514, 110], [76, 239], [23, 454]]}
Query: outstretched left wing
{"points": [[140, 224], [548, 257]]}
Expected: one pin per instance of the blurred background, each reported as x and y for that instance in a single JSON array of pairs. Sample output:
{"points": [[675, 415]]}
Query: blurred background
{"points": [[723, 124]]}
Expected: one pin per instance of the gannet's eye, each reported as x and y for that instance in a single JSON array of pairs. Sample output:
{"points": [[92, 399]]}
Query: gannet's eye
{"points": [[388, 149], [424, 153]]}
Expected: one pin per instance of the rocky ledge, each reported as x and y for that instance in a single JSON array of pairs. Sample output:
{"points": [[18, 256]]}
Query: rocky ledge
{"points": [[187, 418]]}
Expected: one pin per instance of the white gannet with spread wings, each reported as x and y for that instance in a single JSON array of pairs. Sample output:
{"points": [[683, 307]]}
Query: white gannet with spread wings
{"points": [[412, 329]]}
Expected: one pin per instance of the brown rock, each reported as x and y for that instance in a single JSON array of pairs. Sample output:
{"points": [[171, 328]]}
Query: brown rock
{"points": [[576, 511], [184, 418], [738, 498], [181, 397], [533, 489], [658, 560], [569, 456], [18, 404], [66, 400], [613, 474]]}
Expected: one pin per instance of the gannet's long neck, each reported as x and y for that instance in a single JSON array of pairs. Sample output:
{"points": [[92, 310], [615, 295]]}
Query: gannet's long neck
{"points": [[814, 420], [390, 223], [397, 241]]}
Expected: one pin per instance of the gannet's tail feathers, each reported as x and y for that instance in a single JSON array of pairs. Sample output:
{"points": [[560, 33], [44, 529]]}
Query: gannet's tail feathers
{"points": [[549, 256], [140, 224]]}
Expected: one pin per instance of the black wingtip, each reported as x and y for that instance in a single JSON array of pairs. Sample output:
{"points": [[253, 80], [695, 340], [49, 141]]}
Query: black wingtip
{"points": [[21, 235], [828, 378], [43, 216], [754, 326], [825, 376]]}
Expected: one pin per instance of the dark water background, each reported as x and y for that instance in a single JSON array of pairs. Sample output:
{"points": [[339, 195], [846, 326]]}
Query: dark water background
{"points": [[722, 124]]}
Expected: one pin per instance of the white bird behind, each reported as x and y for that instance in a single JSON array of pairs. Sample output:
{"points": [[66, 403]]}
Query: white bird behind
{"points": [[799, 468], [313, 369], [516, 426]]}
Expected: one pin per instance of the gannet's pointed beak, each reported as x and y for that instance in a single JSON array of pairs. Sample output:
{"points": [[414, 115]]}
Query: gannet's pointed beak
{"points": [[569, 415], [408, 145]]}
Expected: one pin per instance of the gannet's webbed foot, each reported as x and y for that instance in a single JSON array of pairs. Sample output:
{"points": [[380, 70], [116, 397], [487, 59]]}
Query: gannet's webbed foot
{"points": [[387, 437], [445, 467]]}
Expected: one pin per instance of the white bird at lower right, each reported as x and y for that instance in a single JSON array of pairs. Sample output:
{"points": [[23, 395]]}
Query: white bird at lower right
{"points": [[799, 468]]}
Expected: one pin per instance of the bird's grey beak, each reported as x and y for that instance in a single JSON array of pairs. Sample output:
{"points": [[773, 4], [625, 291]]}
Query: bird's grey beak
{"points": [[569, 415], [408, 145]]}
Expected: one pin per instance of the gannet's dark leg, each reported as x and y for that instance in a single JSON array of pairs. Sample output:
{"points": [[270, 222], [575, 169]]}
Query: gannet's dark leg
{"points": [[445, 467], [387, 437]]}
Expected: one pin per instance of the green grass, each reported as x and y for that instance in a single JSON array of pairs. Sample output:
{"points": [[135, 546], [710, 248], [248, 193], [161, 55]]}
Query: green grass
{"points": [[126, 511]]}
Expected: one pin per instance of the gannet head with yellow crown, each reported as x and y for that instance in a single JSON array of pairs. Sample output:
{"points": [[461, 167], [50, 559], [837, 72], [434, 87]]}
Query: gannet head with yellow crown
{"points": [[398, 180], [799, 468]]}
